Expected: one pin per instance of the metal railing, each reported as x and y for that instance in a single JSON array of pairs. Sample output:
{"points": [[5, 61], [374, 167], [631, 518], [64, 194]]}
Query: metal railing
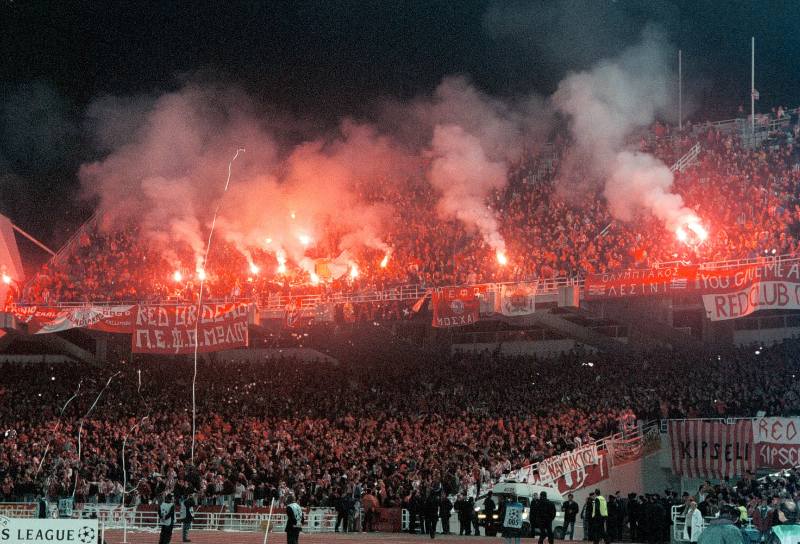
{"points": [[679, 523], [546, 288], [687, 159]]}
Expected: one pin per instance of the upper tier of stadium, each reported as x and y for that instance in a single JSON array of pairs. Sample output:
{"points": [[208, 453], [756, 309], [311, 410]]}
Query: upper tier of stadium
{"points": [[745, 195]]}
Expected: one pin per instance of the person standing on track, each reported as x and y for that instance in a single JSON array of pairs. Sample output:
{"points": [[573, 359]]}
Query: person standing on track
{"points": [[166, 518], [432, 512], [294, 520], [187, 516], [545, 512]]}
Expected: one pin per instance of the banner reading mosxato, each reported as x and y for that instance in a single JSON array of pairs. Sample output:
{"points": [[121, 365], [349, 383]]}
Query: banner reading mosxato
{"points": [[48, 531]]}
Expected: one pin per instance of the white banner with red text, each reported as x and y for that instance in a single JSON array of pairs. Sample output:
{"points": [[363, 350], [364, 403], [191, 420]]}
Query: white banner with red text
{"points": [[573, 477], [737, 292], [777, 442], [517, 299]]}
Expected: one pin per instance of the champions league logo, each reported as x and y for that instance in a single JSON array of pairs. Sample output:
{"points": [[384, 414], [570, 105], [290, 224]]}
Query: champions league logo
{"points": [[86, 535]]}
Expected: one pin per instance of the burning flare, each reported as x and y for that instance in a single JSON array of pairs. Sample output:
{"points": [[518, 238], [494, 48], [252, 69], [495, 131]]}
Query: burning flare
{"points": [[691, 232], [177, 276], [501, 258], [354, 271], [305, 239], [385, 261], [254, 269]]}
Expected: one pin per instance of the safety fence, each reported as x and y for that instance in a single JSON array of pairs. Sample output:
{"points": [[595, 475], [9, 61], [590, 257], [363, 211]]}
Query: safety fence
{"points": [[678, 517], [547, 289], [317, 520]]}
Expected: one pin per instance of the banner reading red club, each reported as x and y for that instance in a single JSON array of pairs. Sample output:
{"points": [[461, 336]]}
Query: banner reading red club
{"points": [[170, 329]]}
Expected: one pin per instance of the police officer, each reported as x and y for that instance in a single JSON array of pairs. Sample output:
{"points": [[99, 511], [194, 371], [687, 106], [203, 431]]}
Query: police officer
{"points": [[545, 513]]}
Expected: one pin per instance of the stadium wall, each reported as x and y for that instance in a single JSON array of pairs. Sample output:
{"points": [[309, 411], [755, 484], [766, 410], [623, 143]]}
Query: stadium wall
{"points": [[648, 474]]}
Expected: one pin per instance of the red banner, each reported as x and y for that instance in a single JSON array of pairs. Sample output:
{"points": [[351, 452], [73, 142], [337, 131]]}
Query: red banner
{"points": [[171, 329], [455, 307], [42, 320], [640, 283], [711, 449]]}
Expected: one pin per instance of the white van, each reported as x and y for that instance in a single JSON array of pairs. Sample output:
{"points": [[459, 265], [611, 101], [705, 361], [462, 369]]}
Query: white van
{"points": [[525, 494]]}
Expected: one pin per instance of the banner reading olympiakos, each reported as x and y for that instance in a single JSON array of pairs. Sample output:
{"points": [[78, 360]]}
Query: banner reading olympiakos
{"points": [[711, 449], [42, 320], [170, 329], [456, 307], [740, 291], [557, 466], [580, 476], [777, 442], [638, 283]]}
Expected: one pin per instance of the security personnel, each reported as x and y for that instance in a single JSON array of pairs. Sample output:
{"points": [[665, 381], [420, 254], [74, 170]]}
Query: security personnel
{"points": [[545, 513], [294, 520], [787, 531], [166, 518], [598, 516]]}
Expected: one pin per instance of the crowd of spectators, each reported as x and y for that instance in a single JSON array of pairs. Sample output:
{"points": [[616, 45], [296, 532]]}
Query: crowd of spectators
{"points": [[745, 196], [386, 423]]}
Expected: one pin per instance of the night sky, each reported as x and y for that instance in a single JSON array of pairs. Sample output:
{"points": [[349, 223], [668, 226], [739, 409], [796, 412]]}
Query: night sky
{"points": [[327, 59]]}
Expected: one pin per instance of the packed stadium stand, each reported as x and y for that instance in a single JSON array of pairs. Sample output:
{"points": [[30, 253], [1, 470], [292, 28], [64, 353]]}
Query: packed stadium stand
{"points": [[393, 405]]}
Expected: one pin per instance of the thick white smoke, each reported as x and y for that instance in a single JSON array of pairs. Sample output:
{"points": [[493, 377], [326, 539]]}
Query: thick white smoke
{"points": [[475, 138], [465, 176], [166, 177], [606, 106], [167, 157]]}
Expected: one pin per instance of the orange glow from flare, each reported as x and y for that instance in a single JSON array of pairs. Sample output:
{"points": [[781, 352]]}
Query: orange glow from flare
{"points": [[354, 271], [282, 268], [177, 276], [681, 235], [305, 239], [254, 269], [501, 258], [385, 261], [314, 279], [201, 274], [6, 279]]}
